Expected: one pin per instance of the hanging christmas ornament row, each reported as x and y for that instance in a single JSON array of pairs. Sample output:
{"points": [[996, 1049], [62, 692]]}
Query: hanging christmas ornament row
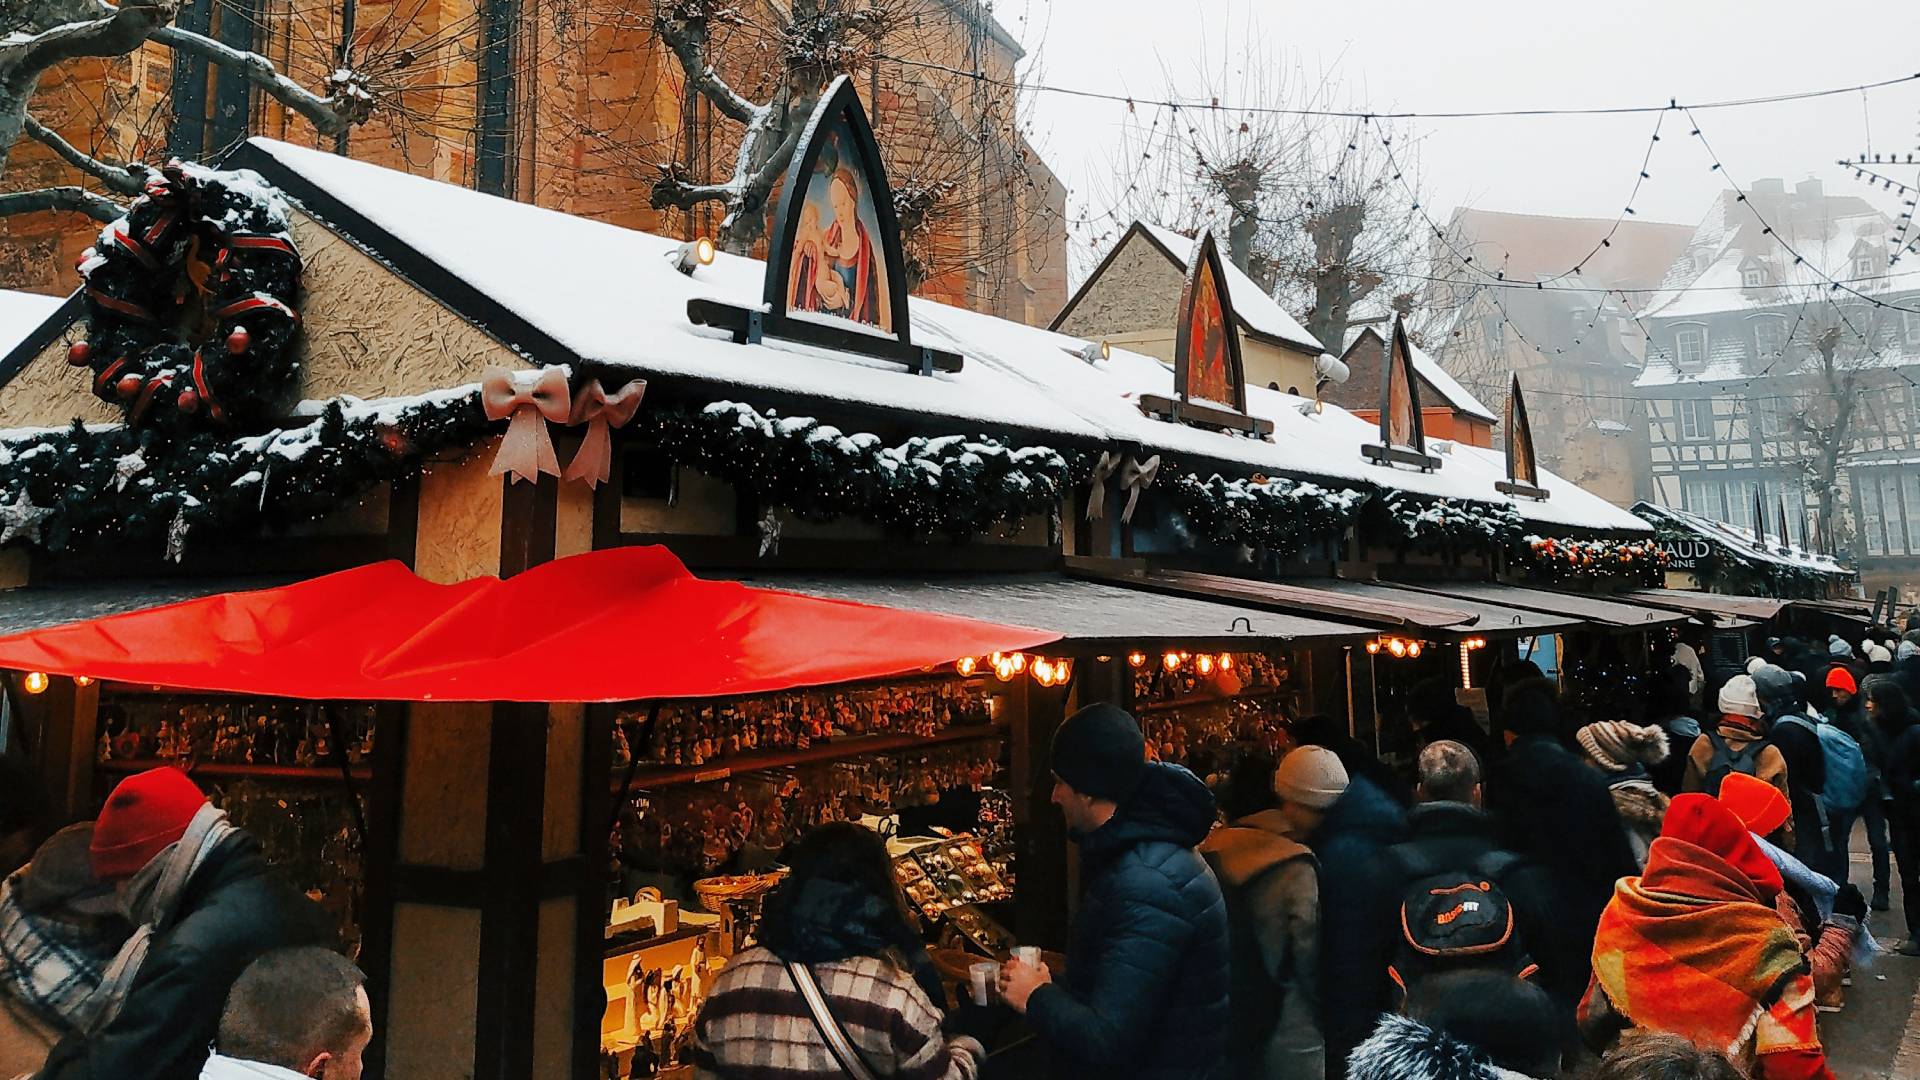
{"points": [[190, 302]]}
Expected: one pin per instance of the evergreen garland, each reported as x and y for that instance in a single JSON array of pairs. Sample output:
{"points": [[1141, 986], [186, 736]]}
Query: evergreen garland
{"points": [[1723, 571], [1570, 560], [127, 485], [1278, 515], [1449, 524], [954, 485]]}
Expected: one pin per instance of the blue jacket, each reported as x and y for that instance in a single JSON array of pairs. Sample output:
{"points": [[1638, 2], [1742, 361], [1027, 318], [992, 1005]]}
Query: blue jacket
{"points": [[1356, 914], [1145, 990]]}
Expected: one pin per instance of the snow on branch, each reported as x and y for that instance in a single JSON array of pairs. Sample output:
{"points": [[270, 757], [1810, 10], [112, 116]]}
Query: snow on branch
{"points": [[326, 118], [75, 199], [124, 179]]}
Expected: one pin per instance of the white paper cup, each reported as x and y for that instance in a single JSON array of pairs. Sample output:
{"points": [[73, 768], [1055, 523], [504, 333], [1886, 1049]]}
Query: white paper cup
{"points": [[985, 976], [1028, 955]]}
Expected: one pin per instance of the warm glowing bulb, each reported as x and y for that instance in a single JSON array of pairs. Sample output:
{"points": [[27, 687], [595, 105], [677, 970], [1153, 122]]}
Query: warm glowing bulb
{"points": [[1226, 661], [1466, 670], [1413, 648], [966, 665], [1019, 662], [1138, 659], [35, 682], [1172, 661], [1396, 647], [1062, 671], [703, 251], [1373, 646], [83, 680], [1204, 665]]}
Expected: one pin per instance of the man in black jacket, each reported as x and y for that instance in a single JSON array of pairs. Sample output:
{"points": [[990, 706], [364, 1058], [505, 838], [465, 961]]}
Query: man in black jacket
{"points": [[204, 903], [1145, 990], [1780, 696]]}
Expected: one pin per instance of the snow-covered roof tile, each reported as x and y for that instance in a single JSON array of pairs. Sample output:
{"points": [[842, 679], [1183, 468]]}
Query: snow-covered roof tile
{"points": [[21, 313], [610, 295], [1742, 542], [1255, 307]]}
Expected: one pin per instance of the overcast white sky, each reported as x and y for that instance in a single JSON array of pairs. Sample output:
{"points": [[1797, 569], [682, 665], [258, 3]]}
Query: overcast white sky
{"points": [[1498, 54]]}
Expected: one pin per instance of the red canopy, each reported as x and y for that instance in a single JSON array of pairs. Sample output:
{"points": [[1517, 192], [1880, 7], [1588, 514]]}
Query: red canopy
{"points": [[612, 625]]}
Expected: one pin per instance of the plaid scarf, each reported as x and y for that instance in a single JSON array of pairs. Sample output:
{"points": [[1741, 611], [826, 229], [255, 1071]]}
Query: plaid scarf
{"points": [[1691, 948], [52, 963]]}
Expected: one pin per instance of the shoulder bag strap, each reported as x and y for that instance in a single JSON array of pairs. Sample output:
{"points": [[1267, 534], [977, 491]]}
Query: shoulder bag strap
{"points": [[831, 1032]]}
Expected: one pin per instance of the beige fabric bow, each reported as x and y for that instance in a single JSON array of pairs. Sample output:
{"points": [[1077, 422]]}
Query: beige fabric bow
{"points": [[601, 412], [1137, 477], [527, 449], [1097, 486]]}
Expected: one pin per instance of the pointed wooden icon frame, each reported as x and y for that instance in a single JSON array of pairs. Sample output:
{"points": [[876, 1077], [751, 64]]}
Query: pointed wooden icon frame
{"points": [[1182, 407], [1396, 356], [1523, 467], [840, 102]]}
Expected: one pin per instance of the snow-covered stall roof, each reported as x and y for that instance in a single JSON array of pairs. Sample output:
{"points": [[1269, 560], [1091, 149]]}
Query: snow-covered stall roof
{"points": [[610, 295], [1742, 542], [1255, 307], [21, 313]]}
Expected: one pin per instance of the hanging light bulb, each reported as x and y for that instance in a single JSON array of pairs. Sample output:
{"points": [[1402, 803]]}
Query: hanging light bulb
{"points": [[1226, 661], [1373, 646], [83, 680], [1019, 662], [1172, 661], [966, 665], [1062, 671], [1204, 664], [1397, 647], [35, 682], [1042, 671], [1413, 648], [1137, 659]]}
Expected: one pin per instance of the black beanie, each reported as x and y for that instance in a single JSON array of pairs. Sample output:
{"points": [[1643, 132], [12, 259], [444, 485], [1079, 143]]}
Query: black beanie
{"points": [[1099, 751]]}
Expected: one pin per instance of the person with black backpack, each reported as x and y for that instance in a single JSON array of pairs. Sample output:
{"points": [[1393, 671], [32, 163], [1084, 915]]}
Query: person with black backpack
{"points": [[1737, 744], [1463, 902]]}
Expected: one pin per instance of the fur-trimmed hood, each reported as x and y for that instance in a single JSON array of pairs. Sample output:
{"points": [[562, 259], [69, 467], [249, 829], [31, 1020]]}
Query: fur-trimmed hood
{"points": [[1405, 1049], [1641, 805]]}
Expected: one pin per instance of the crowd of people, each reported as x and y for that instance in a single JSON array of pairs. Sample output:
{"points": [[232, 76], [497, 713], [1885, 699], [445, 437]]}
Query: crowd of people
{"points": [[1659, 896]]}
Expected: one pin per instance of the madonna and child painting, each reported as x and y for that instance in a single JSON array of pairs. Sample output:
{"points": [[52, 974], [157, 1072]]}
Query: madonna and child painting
{"points": [[837, 266]]}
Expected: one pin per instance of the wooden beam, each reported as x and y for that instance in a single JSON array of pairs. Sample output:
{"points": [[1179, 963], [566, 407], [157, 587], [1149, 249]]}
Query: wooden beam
{"points": [[748, 324]]}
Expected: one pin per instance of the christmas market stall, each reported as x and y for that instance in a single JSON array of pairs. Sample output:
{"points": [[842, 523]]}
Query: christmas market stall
{"points": [[289, 370]]}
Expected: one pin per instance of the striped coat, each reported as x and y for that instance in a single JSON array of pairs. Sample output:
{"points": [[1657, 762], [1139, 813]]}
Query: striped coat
{"points": [[756, 1026]]}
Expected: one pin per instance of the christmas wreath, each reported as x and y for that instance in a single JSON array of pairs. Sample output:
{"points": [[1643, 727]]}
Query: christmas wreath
{"points": [[190, 300]]}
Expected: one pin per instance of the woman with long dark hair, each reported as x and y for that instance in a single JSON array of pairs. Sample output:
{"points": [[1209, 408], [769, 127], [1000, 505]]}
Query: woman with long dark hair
{"points": [[836, 932], [1889, 710]]}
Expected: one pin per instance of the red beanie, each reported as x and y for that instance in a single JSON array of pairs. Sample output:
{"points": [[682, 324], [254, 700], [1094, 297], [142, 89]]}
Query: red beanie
{"points": [[146, 812], [1841, 679], [1702, 821], [1755, 802]]}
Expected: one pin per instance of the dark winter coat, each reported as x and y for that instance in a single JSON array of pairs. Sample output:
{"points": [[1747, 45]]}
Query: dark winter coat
{"points": [[1453, 836], [1555, 809], [1145, 990], [1354, 911], [1273, 921], [1806, 779], [1405, 1049], [236, 907]]}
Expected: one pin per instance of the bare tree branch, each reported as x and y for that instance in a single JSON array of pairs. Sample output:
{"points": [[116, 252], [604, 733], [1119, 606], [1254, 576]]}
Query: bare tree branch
{"points": [[24, 56], [324, 113], [75, 199], [124, 179], [684, 27]]}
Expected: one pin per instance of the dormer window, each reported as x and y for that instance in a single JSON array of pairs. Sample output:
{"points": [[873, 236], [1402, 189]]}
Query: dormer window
{"points": [[1754, 279], [1690, 347], [1865, 266]]}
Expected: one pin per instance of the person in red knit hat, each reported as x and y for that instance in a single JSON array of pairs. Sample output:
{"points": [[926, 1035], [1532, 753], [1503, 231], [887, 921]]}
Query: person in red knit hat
{"points": [[204, 904]]}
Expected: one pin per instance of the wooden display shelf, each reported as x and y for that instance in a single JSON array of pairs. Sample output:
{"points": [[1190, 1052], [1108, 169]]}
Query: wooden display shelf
{"points": [[1197, 700], [626, 944], [306, 774], [653, 778]]}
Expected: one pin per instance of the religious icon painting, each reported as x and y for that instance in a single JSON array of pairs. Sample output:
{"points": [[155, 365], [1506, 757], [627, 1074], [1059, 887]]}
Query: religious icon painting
{"points": [[1209, 379], [835, 266], [1523, 470], [1403, 439], [836, 277]]}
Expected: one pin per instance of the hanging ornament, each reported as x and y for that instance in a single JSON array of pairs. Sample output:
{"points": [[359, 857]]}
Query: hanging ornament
{"points": [[21, 517], [177, 537], [238, 341], [79, 354], [126, 467], [769, 533]]}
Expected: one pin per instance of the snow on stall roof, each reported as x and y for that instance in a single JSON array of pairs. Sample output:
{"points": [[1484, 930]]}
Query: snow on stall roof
{"points": [[611, 295], [1742, 542], [21, 313], [1251, 303]]}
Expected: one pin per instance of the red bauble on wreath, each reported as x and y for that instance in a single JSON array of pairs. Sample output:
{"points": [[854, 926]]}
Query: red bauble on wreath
{"points": [[190, 301]]}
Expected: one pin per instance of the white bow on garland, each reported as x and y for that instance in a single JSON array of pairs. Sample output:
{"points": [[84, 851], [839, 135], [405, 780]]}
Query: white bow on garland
{"points": [[527, 450], [601, 412], [1097, 486], [1135, 478]]}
